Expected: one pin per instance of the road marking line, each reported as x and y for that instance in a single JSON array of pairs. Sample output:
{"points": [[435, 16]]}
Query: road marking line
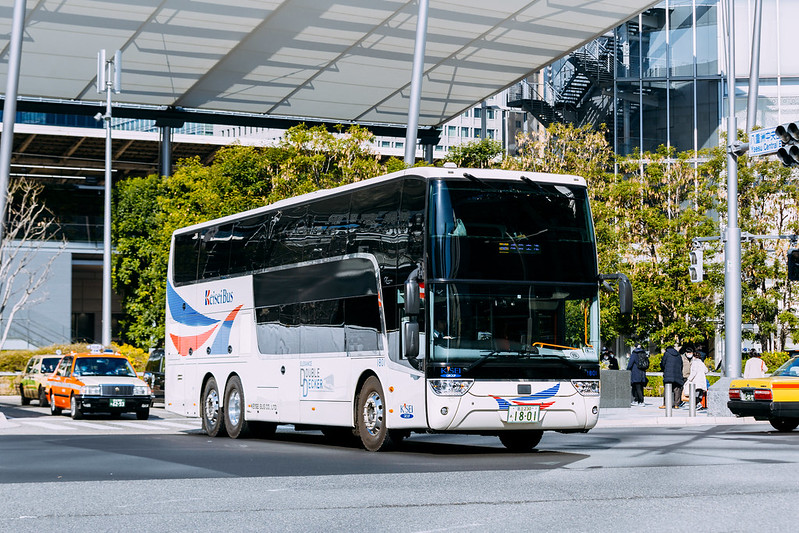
{"points": [[40, 423], [189, 424], [92, 425]]}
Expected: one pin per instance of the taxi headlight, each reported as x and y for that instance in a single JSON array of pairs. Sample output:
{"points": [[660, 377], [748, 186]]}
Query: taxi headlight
{"points": [[451, 387], [141, 390], [586, 387], [91, 390]]}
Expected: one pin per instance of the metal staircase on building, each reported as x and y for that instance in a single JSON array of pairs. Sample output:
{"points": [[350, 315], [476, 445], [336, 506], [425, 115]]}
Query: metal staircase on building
{"points": [[579, 92]]}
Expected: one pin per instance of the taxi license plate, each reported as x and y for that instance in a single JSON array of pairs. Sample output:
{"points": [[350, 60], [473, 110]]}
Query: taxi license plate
{"points": [[747, 396], [116, 402], [523, 414]]}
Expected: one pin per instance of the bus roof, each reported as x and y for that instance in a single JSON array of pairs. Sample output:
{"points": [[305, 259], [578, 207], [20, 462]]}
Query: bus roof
{"points": [[486, 174]]}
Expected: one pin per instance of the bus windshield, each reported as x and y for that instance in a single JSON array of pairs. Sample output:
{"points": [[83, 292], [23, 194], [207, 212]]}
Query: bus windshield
{"points": [[511, 230], [478, 324]]}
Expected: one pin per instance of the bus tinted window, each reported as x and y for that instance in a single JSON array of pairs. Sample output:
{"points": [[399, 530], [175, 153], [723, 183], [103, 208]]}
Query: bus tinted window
{"points": [[525, 231], [184, 257]]}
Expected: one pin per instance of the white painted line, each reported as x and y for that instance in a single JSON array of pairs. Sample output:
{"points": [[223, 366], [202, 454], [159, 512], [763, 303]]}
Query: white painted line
{"points": [[131, 424], [41, 423], [189, 424], [92, 425]]}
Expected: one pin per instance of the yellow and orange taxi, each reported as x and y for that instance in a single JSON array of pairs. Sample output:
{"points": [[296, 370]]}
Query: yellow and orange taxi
{"points": [[97, 382], [774, 398]]}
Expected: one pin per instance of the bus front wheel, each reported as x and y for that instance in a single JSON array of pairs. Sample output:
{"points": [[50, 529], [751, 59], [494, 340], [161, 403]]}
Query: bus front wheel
{"points": [[235, 423], [213, 421], [521, 441], [371, 417]]}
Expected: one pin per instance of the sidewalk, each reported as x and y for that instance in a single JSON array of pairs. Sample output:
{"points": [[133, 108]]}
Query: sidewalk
{"points": [[650, 414]]}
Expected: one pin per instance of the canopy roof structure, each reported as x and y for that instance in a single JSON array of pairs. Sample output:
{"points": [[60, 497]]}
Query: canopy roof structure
{"points": [[342, 60]]}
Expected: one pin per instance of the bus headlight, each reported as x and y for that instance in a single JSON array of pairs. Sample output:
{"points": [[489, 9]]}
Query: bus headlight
{"points": [[451, 387], [141, 390], [91, 390], [586, 387]]}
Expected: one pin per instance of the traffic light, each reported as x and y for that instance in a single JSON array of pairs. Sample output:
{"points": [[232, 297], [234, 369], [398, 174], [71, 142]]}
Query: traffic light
{"points": [[793, 265], [695, 266], [789, 134]]}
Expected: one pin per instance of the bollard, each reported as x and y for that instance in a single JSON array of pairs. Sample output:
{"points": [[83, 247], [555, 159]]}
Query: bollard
{"points": [[668, 398], [692, 399]]}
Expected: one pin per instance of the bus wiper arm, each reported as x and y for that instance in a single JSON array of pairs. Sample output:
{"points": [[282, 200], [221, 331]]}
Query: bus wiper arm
{"points": [[483, 358]]}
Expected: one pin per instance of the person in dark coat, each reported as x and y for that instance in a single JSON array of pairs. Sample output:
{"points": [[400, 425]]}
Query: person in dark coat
{"points": [[637, 375], [671, 365]]}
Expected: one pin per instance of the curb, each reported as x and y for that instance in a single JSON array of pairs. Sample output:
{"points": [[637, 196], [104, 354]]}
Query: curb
{"points": [[5, 423], [677, 422]]}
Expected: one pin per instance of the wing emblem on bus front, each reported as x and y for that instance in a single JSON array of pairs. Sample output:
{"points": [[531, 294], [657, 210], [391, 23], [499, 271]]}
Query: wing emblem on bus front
{"points": [[533, 399], [184, 314]]}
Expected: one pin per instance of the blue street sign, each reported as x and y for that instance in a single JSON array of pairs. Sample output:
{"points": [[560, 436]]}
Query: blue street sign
{"points": [[764, 142]]}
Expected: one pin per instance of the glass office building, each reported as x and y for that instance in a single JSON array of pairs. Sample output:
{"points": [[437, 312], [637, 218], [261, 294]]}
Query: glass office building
{"points": [[660, 78]]}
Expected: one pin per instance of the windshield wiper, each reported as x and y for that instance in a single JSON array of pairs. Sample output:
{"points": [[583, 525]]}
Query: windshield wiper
{"points": [[496, 353]]}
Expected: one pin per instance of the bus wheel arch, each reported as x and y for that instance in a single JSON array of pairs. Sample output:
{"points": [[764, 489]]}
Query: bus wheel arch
{"points": [[211, 408], [234, 408]]}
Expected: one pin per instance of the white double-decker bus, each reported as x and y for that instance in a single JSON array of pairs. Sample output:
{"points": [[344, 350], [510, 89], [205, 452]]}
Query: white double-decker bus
{"points": [[431, 299]]}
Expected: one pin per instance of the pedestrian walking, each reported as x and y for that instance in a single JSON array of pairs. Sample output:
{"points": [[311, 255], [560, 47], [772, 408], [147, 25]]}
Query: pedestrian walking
{"points": [[638, 365], [755, 367], [698, 377], [671, 365], [608, 361]]}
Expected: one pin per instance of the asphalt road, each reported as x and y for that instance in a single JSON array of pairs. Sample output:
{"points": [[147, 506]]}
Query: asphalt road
{"points": [[166, 474]]}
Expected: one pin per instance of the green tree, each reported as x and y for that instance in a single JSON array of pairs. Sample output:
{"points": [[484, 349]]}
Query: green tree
{"points": [[149, 209], [476, 154]]}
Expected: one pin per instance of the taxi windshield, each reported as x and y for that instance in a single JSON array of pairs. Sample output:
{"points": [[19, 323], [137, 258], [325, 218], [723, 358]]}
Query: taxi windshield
{"points": [[103, 366], [789, 368]]}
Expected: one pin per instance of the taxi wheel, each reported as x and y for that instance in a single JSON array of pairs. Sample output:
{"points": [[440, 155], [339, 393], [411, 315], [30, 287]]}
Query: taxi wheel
{"points": [[24, 399], [213, 420], [55, 411], [521, 441], [74, 409], [235, 424], [784, 425], [43, 397], [143, 414]]}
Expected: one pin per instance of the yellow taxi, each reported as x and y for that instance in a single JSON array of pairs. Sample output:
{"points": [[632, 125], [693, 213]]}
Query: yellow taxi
{"points": [[97, 382], [774, 398]]}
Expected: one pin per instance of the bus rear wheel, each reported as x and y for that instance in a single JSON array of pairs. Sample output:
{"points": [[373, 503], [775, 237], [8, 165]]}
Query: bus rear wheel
{"points": [[235, 423], [521, 441], [213, 420], [371, 417]]}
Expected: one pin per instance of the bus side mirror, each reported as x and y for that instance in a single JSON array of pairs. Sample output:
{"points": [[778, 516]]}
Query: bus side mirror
{"points": [[410, 339], [625, 291], [412, 297], [625, 295]]}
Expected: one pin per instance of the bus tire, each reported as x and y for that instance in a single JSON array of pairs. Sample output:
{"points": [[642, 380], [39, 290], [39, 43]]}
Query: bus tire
{"points": [[213, 420], [24, 400], [784, 425], [370, 417], [43, 397], [521, 441], [235, 422]]}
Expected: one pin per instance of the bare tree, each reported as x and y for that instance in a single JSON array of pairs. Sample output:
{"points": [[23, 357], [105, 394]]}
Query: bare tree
{"points": [[29, 226]]}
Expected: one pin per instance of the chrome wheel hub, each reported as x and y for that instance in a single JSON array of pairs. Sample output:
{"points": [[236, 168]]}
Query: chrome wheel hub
{"points": [[373, 413]]}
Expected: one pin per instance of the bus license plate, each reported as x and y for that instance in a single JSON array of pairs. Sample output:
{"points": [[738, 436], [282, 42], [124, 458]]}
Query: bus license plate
{"points": [[116, 402], [522, 414]]}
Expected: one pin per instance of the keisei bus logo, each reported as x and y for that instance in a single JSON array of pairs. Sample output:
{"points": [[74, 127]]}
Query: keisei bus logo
{"points": [[223, 296]]}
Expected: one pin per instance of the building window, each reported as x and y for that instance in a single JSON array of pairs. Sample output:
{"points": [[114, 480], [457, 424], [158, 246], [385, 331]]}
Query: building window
{"points": [[490, 114], [478, 113], [477, 133], [464, 133], [385, 144], [399, 145], [452, 131]]}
